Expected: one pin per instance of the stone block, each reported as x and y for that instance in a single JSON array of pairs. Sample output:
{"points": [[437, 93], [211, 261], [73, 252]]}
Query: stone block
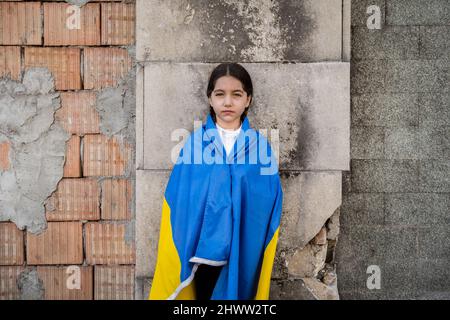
{"points": [[305, 30], [417, 12], [390, 110], [367, 142], [311, 112]]}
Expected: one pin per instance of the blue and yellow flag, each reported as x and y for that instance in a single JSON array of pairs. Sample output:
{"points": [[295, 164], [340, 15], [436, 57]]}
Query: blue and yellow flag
{"points": [[220, 210]]}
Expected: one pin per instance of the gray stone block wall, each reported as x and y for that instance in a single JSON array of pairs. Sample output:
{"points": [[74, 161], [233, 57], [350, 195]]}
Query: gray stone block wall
{"points": [[396, 197]]}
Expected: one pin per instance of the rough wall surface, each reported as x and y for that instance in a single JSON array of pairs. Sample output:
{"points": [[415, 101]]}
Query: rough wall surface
{"points": [[396, 197], [67, 150], [296, 54]]}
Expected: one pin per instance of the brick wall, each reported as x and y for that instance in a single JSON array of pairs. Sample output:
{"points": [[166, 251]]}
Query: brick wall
{"points": [[396, 198], [89, 216]]}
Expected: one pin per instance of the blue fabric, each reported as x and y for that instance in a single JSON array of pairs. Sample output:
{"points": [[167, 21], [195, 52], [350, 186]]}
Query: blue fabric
{"points": [[225, 211]]}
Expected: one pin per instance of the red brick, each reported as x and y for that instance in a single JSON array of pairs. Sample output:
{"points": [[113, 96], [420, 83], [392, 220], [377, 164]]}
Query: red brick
{"points": [[116, 199], [8, 283], [72, 166], [114, 283], [77, 113], [61, 243], [103, 156], [74, 199], [4, 155], [118, 22], [67, 283], [20, 23], [10, 62], [105, 244], [58, 27], [64, 63], [104, 67], [11, 244]]}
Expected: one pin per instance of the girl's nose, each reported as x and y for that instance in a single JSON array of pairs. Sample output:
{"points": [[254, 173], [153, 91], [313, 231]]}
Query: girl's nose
{"points": [[227, 100]]}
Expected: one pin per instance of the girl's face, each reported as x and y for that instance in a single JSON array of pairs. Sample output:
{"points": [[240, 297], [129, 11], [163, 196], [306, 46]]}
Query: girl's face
{"points": [[229, 101]]}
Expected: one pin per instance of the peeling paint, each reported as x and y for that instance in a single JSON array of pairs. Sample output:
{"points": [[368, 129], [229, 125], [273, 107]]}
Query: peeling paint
{"points": [[38, 145]]}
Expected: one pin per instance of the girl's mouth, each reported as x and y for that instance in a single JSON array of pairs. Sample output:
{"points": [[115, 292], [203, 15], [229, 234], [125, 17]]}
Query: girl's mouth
{"points": [[227, 111]]}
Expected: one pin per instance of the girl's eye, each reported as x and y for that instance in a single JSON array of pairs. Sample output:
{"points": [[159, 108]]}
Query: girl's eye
{"points": [[218, 94]]}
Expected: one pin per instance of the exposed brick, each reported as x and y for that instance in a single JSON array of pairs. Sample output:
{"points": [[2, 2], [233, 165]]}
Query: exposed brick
{"points": [[114, 283], [20, 23], [103, 156], [77, 113], [64, 63], [10, 62], [104, 67], [106, 244], [60, 27], [116, 197], [11, 244], [72, 166], [8, 287], [4, 155], [74, 199], [118, 20], [67, 283], [61, 243]]}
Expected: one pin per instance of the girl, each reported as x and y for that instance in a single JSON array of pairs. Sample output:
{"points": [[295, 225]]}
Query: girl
{"points": [[221, 215]]}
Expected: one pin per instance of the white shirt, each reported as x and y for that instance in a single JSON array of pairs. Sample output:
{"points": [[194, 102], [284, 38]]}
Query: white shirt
{"points": [[228, 137]]}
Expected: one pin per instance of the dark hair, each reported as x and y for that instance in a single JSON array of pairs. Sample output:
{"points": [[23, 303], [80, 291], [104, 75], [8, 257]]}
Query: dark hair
{"points": [[235, 70]]}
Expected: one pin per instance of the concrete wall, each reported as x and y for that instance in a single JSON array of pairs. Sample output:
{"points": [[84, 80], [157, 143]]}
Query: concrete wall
{"points": [[395, 211], [296, 53]]}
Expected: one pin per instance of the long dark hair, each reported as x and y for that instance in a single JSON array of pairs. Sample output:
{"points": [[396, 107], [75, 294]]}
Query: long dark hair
{"points": [[235, 70]]}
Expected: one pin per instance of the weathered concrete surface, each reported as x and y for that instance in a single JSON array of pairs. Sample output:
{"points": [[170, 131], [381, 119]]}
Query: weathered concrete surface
{"points": [[30, 286], [308, 103], [304, 208], [142, 288], [231, 30], [37, 152], [151, 185]]}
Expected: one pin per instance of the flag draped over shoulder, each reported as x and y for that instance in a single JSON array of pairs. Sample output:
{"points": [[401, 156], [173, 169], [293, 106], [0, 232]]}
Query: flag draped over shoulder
{"points": [[222, 211]]}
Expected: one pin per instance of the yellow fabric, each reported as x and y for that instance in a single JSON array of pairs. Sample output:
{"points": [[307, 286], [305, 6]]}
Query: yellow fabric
{"points": [[168, 267], [266, 269]]}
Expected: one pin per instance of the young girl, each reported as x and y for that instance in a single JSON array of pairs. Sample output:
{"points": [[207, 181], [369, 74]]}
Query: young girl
{"points": [[222, 205]]}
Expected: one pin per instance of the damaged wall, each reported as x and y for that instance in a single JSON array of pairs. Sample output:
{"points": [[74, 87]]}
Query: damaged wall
{"points": [[67, 151], [296, 53]]}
